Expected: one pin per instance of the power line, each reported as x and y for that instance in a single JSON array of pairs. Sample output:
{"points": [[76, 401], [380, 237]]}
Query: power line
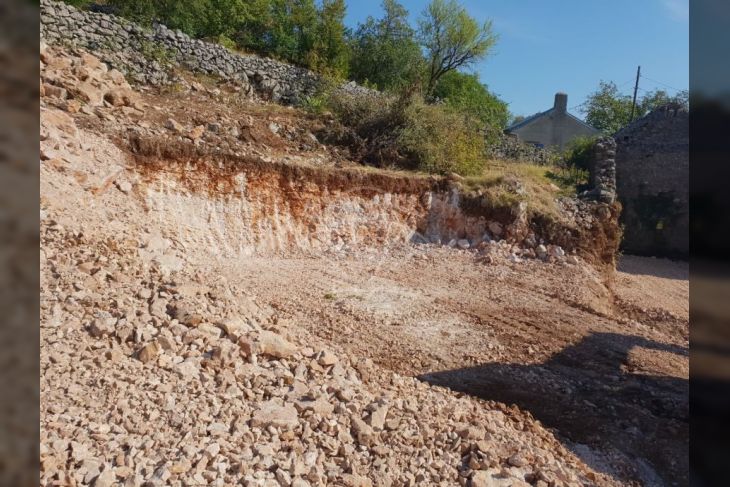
{"points": [[580, 105], [663, 84], [625, 83]]}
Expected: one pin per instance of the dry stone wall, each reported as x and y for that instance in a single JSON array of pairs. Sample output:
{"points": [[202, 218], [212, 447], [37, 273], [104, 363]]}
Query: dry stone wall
{"points": [[602, 170], [143, 53], [652, 175], [509, 147]]}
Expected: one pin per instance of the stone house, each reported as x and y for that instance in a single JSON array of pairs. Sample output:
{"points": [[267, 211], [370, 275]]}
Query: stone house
{"points": [[652, 182], [552, 128]]}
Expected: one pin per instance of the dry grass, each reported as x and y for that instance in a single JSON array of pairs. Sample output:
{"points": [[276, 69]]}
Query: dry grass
{"points": [[505, 184]]}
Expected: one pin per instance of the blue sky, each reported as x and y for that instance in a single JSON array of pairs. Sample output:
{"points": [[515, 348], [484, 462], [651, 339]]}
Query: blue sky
{"points": [[570, 45]]}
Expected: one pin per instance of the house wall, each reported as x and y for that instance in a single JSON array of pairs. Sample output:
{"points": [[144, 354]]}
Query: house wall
{"points": [[553, 129], [652, 178]]}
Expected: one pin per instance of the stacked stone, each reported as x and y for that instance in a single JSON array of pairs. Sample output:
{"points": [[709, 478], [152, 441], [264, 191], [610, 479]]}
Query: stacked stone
{"points": [[511, 148], [603, 170], [142, 54], [652, 162]]}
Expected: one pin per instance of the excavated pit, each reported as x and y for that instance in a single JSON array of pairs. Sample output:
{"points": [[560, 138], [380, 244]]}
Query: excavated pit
{"points": [[330, 250], [336, 258]]}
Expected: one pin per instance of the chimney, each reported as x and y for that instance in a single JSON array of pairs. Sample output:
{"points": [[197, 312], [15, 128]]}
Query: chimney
{"points": [[561, 103]]}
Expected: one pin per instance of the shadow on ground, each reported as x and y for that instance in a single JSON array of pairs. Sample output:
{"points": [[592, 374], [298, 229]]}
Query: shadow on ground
{"points": [[640, 423], [662, 268]]}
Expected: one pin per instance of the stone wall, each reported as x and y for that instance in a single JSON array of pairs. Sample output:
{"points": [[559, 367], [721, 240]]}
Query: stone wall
{"points": [[652, 176], [602, 170], [143, 53], [510, 147]]}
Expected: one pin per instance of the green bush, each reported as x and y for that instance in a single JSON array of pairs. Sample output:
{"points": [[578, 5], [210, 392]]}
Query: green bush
{"points": [[226, 42], [468, 95], [578, 153], [156, 52], [441, 140], [368, 115], [571, 179], [405, 132], [315, 104]]}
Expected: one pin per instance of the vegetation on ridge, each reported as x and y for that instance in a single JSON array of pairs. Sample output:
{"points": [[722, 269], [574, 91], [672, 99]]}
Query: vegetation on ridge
{"points": [[608, 110]]}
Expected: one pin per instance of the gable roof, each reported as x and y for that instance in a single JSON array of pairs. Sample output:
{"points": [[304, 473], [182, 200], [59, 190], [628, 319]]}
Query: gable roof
{"points": [[536, 116], [527, 120]]}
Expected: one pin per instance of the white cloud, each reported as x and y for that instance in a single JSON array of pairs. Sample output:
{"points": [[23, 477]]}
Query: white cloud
{"points": [[677, 9]]}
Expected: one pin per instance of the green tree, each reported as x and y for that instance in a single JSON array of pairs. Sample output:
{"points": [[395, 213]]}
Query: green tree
{"points": [[251, 28], [187, 15], [452, 39], [609, 110], [330, 50], [223, 18], [385, 52], [142, 11], [289, 30], [658, 98], [465, 93]]}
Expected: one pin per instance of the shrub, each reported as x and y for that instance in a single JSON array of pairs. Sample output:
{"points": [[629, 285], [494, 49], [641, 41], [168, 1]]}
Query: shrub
{"points": [[468, 95], [156, 52], [405, 131], [368, 115], [571, 179], [442, 140], [578, 153], [370, 124], [315, 104], [226, 42]]}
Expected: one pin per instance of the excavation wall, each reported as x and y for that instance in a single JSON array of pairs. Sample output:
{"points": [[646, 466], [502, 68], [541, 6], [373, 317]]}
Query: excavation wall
{"points": [[247, 206]]}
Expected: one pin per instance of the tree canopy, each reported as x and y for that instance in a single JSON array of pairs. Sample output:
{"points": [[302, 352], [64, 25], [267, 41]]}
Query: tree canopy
{"points": [[468, 95], [609, 110], [297, 31], [385, 52], [452, 39]]}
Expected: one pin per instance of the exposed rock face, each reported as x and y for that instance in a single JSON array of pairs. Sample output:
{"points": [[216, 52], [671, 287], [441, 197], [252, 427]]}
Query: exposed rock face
{"points": [[315, 211], [259, 206], [652, 171], [146, 54]]}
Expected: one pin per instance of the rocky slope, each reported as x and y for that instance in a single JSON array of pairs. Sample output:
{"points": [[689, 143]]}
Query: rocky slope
{"points": [[226, 301]]}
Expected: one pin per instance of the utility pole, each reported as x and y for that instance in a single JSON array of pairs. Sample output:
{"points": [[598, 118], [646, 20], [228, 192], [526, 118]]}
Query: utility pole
{"points": [[636, 88]]}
